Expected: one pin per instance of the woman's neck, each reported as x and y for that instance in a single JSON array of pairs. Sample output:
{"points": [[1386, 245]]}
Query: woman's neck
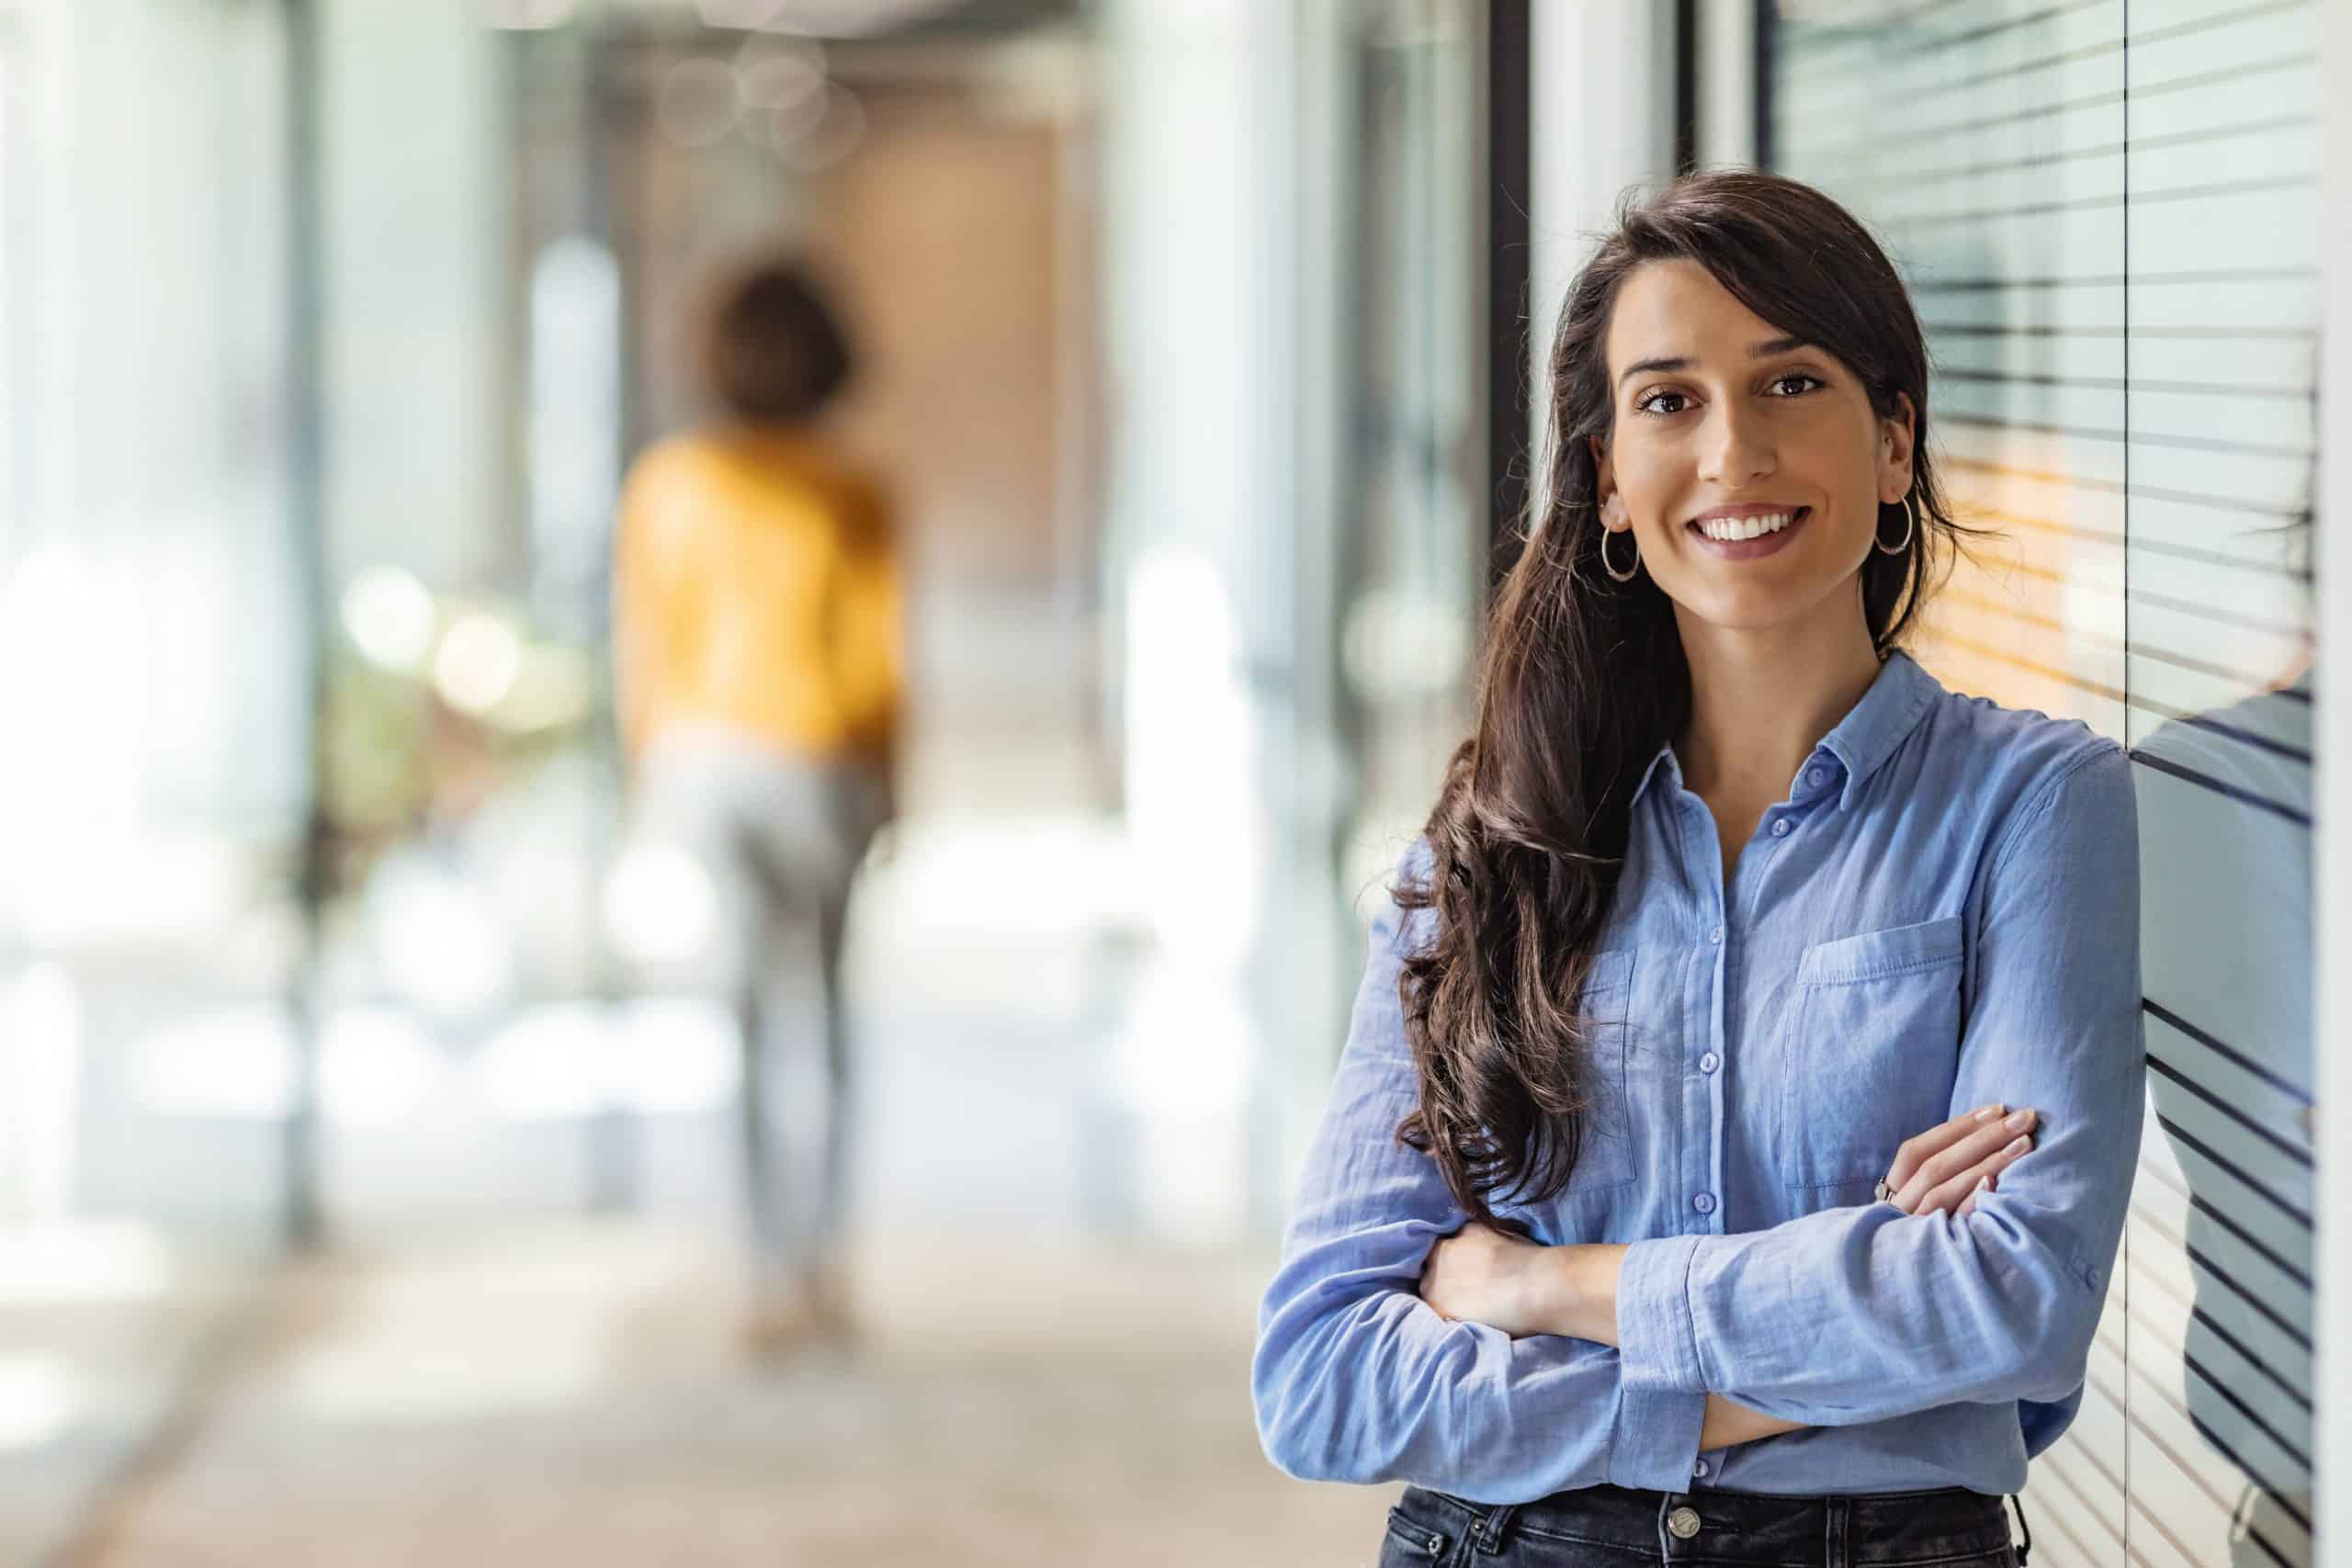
{"points": [[1761, 700]]}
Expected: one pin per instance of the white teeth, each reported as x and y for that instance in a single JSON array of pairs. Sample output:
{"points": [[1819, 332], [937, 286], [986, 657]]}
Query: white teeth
{"points": [[1730, 529]]}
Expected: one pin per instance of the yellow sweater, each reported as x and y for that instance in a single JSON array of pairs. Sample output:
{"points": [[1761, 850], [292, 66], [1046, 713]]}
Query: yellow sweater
{"points": [[755, 586]]}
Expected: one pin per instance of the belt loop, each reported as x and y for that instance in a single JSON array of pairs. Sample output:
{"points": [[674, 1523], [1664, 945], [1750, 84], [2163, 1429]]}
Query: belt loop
{"points": [[1837, 1546], [2018, 1503], [1665, 1504], [1490, 1533]]}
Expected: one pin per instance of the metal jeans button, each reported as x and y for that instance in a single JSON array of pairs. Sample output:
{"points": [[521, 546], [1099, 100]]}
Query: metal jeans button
{"points": [[1683, 1522]]}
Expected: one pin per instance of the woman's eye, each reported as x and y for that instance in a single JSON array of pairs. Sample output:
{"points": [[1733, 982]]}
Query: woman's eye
{"points": [[1665, 402]]}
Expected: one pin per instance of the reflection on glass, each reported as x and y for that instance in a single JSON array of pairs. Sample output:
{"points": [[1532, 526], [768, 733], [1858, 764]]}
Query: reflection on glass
{"points": [[2106, 214]]}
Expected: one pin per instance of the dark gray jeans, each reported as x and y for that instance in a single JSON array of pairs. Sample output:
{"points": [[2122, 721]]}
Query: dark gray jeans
{"points": [[1618, 1526]]}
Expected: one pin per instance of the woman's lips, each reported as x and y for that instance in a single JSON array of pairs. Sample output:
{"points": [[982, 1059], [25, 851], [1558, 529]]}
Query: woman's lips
{"points": [[1749, 549]]}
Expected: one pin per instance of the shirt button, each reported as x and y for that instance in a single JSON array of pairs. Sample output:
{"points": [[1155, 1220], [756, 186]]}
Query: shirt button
{"points": [[1704, 1203], [1781, 828], [1716, 936], [1699, 1470], [1708, 1062]]}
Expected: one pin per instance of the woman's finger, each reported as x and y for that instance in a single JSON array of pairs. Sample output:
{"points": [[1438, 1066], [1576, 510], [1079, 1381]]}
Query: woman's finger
{"points": [[1968, 1204], [1921, 1147], [1959, 1195], [1960, 1161]]}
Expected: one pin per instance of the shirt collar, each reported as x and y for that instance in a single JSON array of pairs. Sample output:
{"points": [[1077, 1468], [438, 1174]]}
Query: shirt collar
{"points": [[1882, 721]]}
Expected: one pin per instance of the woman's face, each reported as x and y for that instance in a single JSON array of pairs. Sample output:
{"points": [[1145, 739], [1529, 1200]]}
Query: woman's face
{"points": [[1720, 418]]}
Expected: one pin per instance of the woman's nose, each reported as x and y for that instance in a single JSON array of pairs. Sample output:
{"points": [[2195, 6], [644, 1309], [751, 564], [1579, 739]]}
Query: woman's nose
{"points": [[1737, 450]]}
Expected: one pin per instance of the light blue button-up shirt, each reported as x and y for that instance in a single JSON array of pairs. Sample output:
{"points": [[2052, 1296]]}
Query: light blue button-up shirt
{"points": [[1942, 915]]}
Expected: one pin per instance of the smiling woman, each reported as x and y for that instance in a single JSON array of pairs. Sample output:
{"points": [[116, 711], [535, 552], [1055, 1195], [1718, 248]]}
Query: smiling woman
{"points": [[1670, 1184], [1746, 443]]}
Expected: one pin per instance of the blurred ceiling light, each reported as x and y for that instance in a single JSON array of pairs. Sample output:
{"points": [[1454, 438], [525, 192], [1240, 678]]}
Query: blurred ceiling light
{"points": [[814, 147], [525, 14], [695, 103], [660, 904], [481, 656], [390, 617]]}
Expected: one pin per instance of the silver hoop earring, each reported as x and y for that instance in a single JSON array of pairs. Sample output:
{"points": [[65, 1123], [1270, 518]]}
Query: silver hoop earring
{"points": [[1910, 526], [1629, 572]]}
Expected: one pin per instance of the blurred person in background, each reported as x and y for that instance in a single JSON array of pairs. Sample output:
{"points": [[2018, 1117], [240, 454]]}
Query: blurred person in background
{"points": [[758, 638]]}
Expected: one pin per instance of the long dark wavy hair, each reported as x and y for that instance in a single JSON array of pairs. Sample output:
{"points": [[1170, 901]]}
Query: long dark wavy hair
{"points": [[1581, 679]]}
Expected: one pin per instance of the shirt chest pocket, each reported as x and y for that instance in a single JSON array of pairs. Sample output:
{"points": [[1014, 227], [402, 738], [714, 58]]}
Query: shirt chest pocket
{"points": [[1875, 1049]]}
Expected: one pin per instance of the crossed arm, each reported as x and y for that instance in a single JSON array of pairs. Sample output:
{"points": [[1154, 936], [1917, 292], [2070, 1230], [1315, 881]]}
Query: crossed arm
{"points": [[1650, 1352]]}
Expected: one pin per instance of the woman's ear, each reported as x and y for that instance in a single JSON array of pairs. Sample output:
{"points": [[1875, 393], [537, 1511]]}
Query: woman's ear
{"points": [[1605, 485], [1897, 434]]}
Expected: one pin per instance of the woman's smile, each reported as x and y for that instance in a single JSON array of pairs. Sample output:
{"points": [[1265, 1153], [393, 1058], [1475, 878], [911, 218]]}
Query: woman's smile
{"points": [[1746, 533]]}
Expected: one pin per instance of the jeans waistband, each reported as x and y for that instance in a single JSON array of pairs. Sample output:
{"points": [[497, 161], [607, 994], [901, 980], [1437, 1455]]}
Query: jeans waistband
{"points": [[1881, 1529]]}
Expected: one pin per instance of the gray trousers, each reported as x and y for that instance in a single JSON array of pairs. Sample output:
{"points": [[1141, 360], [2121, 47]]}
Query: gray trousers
{"points": [[781, 837]]}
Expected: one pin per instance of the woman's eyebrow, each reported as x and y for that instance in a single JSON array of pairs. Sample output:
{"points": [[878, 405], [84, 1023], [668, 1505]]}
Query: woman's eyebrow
{"points": [[1763, 350]]}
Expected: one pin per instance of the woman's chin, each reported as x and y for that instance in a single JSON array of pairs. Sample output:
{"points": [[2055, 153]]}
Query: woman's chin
{"points": [[1758, 605]]}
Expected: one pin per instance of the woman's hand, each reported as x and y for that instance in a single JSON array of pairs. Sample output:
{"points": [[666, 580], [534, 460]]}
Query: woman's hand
{"points": [[1942, 1169], [1481, 1275]]}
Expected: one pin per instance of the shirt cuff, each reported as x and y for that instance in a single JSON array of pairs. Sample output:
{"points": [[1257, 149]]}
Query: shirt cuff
{"points": [[1662, 1398]]}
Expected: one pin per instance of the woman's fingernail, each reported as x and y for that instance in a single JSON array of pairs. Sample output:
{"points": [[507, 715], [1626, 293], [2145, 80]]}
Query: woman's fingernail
{"points": [[1982, 1182], [2020, 1121], [1988, 1114], [2019, 1146]]}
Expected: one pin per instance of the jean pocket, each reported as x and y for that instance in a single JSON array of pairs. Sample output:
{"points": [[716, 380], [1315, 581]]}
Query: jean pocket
{"points": [[1875, 1050], [1409, 1542]]}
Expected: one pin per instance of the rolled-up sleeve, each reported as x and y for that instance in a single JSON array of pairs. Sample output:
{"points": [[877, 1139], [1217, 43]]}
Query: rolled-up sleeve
{"points": [[1856, 1315], [1357, 1379]]}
